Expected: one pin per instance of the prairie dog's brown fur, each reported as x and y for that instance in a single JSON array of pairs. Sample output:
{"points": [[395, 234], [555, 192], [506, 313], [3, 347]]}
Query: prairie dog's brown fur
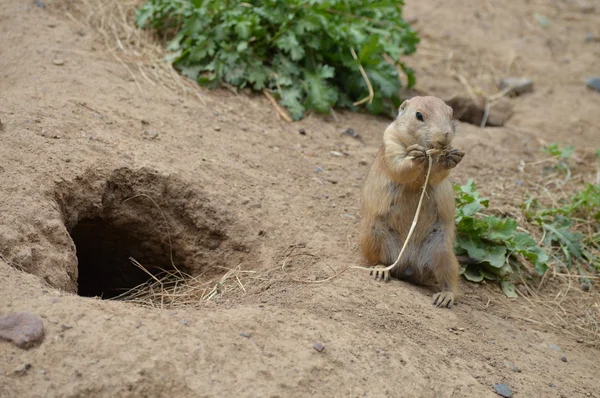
{"points": [[391, 192]]}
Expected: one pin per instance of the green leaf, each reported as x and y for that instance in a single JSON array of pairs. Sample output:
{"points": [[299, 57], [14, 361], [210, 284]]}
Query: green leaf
{"points": [[291, 98], [143, 15], [495, 255], [473, 274], [289, 43], [570, 241], [319, 94], [508, 288], [500, 230]]}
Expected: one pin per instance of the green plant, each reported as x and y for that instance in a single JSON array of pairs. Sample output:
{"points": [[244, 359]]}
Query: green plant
{"points": [[492, 243], [563, 225], [310, 54], [562, 155]]}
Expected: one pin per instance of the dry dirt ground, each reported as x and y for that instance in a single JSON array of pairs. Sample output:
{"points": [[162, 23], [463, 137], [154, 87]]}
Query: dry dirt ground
{"points": [[92, 148]]}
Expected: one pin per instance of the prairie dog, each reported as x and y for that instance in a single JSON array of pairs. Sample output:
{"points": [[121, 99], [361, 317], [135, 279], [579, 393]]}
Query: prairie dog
{"points": [[391, 192]]}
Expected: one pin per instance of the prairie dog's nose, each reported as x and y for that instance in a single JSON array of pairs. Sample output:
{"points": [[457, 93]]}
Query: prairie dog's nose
{"points": [[445, 139]]}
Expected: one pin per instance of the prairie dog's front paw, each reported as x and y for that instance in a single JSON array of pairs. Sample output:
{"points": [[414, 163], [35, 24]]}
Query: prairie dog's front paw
{"points": [[452, 158], [417, 153]]}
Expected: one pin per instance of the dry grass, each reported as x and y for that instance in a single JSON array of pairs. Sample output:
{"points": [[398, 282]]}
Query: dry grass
{"points": [[559, 303], [140, 53], [175, 289]]}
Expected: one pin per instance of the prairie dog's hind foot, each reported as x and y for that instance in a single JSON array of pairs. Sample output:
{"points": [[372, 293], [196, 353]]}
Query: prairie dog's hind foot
{"points": [[443, 299], [380, 273]]}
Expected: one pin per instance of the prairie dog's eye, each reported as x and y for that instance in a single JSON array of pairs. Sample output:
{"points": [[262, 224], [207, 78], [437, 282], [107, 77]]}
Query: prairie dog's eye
{"points": [[419, 116]]}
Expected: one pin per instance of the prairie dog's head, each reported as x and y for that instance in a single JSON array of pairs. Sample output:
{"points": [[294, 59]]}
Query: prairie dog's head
{"points": [[428, 120]]}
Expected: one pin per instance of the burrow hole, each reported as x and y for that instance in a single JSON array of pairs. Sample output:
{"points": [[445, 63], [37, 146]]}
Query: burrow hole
{"points": [[104, 253], [170, 224]]}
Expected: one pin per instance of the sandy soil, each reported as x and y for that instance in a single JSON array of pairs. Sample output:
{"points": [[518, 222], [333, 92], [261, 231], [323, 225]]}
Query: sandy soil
{"points": [[239, 187]]}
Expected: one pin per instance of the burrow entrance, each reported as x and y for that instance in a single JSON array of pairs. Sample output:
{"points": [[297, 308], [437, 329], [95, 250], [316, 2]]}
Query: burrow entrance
{"points": [[156, 220], [104, 254]]}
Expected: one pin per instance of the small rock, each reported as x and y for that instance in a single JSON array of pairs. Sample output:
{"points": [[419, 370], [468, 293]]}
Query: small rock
{"points": [[22, 368], [302, 132], [503, 390], [563, 358], [520, 85], [58, 61], [350, 132], [318, 170], [68, 160], [65, 327], [150, 134], [39, 3], [585, 287], [554, 347], [336, 154], [319, 347], [183, 322], [332, 180], [512, 366], [466, 110], [246, 335], [590, 38], [24, 329], [217, 128], [594, 83], [245, 201], [363, 163]]}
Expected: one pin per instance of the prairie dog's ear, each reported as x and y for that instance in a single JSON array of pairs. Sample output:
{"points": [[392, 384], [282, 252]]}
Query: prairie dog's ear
{"points": [[403, 107]]}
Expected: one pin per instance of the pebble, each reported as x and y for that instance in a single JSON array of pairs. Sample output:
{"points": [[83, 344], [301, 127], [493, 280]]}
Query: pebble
{"points": [[22, 368], [245, 201], [246, 335], [24, 329], [58, 61], [183, 322], [363, 163], [302, 132], [319, 347], [39, 3], [585, 287], [563, 358], [336, 154], [554, 347], [217, 128], [594, 83], [503, 390], [350, 132], [150, 134], [590, 38], [332, 180], [521, 85]]}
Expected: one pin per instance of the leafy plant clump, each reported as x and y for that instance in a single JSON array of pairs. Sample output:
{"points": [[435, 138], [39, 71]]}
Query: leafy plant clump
{"points": [[573, 226], [312, 55], [493, 244]]}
